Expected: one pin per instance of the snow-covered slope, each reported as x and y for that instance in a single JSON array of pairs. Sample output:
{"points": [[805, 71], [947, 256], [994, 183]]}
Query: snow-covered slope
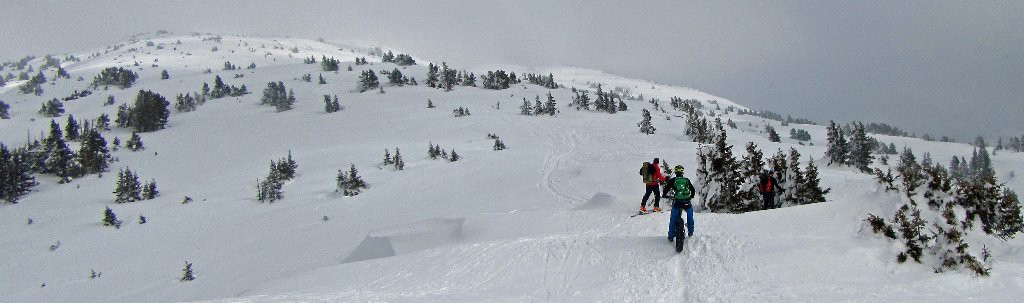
{"points": [[544, 220]]}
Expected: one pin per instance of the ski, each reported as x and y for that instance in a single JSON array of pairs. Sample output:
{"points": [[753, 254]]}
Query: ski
{"points": [[644, 213]]}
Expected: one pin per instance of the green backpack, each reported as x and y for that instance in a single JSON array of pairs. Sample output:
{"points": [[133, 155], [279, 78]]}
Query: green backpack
{"points": [[645, 172], [682, 188]]}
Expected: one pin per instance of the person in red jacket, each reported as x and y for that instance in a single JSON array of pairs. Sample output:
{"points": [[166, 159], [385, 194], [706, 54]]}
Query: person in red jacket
{"points": [[651, 173]]}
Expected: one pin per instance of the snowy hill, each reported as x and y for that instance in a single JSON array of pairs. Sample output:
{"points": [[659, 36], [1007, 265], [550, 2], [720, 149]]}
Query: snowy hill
{"points": [[545, 220]]}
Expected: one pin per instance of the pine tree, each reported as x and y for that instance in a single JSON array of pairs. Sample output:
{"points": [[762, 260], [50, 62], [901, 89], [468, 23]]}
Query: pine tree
{"points": [[399, 163], [860, 148], [454, 156], [187, 274], [526, 109], [910, 172], [645, 124], [150, 112], [550, 105], [837, 149], [811, 191], [498, 145], [773, 136], [4, 107], [92, 153], [110, 218], [134, 143], [352, 184], [71, 129], [387, 158], [538, 108], [368, 80], [164, 75], [15, 174], [128, 188], [149, 190], [322, 80]]}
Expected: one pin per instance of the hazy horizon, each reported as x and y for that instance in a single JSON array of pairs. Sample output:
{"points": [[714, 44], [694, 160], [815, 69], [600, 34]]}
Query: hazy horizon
{"points": [[942, 68]]}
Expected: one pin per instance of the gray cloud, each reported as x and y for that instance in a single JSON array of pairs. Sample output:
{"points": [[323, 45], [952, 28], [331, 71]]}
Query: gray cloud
{"points": [[944, 68]]}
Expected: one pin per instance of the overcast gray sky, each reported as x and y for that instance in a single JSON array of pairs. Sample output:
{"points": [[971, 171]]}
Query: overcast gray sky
{"points": [[941, 67]]}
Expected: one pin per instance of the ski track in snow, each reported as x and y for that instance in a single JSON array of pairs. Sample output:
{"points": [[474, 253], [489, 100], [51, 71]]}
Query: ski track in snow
{"points": [[563, 145]]}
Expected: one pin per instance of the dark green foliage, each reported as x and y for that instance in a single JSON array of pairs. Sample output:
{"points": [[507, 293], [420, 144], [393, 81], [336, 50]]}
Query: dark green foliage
{"points": [[149, 190], [110, 218], [34, 85], [115, 76], [368, 80], [773, 136], [149, 112], [645, 124], [350, 183], [454, 156], [134, 143], [498, 80], [860, 148], [329, 64], [4, 107], [221, 89], [185, 103], [799, 134], [322, 81], [276, 96], [499, 145], [395, 77], [550, 106], [16, 178], [187, 274], [878, 225], [331, 106], [837, 149], [53, 108], [92, 153], [164, 75], [128, 189], [460, 112], [71, 129], [545, 81], [270, 190]]}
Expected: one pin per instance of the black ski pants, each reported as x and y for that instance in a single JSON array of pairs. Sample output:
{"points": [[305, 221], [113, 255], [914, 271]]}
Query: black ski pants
{"points": [[647, 194], [769, 200]]}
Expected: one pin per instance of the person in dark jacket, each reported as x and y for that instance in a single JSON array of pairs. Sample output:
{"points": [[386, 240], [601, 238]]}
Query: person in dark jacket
{"points": [[682, 192], [652, 176], [767, 186]]}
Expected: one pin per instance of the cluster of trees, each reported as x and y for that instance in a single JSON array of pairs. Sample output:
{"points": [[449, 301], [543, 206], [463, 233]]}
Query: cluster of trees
{"points": [[547, 108], [330, 105], [395, 161], [435, 152], [697, 126], [129, 189], [685, 105], [400, 59], [328, 64], [16, 178], [53, 156], [188, 102], [498, 144], [221, 90], [395, 77], [229, 66], [4, 110], [270, 190], [498, 80], [885, 129], [855, 151], [773, 136], [460, 112], [34, 85], [275, 95], [545, 81], [726, 184], [447, 78], [941, 207], [116, 76], [368, 80], [799, 135], [53, 108], [1015, 144], [76, 94], [350, 183], [149, 112], [361, 61]]}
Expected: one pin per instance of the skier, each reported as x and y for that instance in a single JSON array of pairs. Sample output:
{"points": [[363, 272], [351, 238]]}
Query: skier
{"points": [[767, 186], [652, 177], [682, 191]]}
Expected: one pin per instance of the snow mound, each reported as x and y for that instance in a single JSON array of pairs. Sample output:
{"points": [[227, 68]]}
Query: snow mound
{"points": [[598, 201], [407, 238]]}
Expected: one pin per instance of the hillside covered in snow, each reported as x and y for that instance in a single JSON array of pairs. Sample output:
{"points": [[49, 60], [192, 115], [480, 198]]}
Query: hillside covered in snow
{"points": [[544, 218]]}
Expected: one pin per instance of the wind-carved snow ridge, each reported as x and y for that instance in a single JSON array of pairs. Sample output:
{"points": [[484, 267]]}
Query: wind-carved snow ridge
{"points": [[407, 238], [598, 201]]}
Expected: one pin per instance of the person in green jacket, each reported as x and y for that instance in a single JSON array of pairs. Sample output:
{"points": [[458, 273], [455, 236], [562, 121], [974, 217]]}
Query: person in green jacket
{"points": [[683, 192]]}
